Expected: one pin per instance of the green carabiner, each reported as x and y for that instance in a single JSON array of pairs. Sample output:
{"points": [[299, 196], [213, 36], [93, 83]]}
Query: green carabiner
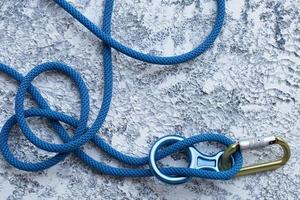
{"points": [[226, 159]]}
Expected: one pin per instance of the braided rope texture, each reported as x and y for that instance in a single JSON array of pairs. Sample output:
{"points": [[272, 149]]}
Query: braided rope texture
{"points": [[83, 133]]}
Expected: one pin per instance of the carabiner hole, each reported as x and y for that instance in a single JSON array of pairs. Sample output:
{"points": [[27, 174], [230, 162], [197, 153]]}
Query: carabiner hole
{"points": [[228, 166], [265, 154]]}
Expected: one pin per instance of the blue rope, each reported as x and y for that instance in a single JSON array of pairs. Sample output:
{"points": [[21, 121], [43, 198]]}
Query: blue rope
{"points": [[83, 133], [106, 38]]}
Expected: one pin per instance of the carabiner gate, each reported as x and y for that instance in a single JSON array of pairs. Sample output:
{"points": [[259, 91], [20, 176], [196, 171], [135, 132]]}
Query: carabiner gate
{"points": [[226, 159]]}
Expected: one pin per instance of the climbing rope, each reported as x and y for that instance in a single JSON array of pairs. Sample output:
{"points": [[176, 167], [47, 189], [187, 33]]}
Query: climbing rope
{"points": [[83, 133]]}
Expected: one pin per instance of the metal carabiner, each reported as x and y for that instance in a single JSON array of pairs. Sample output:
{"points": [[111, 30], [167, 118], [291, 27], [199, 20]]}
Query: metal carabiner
{"points": [[225, 162], [220, 161]]}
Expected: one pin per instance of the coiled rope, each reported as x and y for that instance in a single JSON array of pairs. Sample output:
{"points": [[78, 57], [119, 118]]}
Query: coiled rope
{"points": [[83, 133]]}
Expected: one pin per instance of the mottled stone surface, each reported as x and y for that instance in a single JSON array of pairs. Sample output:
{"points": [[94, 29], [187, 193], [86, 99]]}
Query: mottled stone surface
{"points": [[246, 85]]}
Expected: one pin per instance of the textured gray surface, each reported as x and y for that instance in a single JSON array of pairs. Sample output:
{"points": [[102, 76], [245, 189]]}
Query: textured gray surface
{"points": [[246, 85]]}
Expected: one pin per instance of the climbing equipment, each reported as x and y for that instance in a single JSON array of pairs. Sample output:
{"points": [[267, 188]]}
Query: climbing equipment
{"points": [[223, 165], [254, 144], [222, 160], [197, 160]]}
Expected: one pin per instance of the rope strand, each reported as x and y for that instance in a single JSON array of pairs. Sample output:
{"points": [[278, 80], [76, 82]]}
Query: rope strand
{"points": [[83, 134]]}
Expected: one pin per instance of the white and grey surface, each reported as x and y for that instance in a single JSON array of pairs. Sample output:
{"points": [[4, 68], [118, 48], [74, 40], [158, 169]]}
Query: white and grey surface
{"points": [[246, 85]]}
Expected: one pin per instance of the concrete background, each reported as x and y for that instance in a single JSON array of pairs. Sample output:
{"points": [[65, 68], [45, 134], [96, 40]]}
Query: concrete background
{"points": [[246, 85]]}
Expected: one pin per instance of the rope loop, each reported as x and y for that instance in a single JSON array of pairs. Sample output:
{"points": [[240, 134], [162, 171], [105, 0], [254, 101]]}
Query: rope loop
{"points": [[83, 134]]}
